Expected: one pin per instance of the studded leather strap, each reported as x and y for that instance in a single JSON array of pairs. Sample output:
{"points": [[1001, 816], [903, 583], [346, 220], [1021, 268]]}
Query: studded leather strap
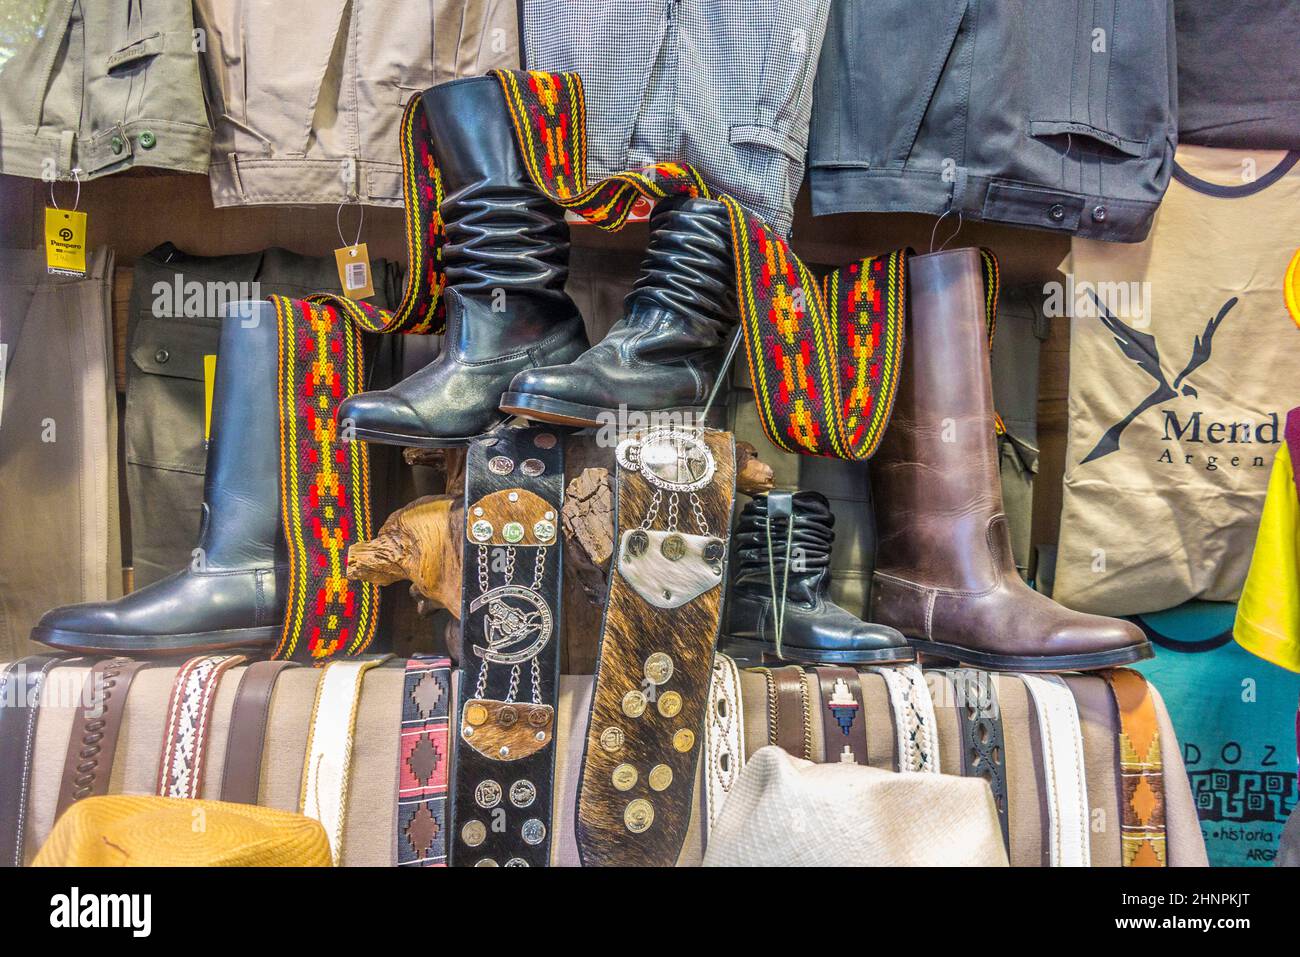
{"points": [[1064, 780], [503, 773], [242, 773], [424, 764], [20, 697], [983, 753], [92, 745], [844, 719], [1141, 771]]}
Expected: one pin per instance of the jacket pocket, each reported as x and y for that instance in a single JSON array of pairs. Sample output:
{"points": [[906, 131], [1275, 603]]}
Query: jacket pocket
{"points": [[165, 392]]}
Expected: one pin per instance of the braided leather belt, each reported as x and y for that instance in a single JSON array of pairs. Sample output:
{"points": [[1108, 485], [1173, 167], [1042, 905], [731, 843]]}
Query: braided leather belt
{"points": [[1141, 771], [92, 744], [241, 776], [673, 494], [915, 731], [20, 698], [423, 765], [844, 718], [1064, 779], [789, 710], [503, 774], [983, 752]]}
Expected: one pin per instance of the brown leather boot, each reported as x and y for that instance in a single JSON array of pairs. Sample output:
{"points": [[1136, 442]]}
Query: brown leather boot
{"points": [[945, 576]]}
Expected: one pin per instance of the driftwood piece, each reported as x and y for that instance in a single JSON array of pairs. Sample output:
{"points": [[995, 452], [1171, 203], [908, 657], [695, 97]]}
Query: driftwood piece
{"points": [[422, 541]]}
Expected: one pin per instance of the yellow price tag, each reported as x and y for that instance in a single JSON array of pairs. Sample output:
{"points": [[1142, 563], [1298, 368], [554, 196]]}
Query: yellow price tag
{"points": [[65, 242], [1291, 287], [209, 380], [354, 271]]}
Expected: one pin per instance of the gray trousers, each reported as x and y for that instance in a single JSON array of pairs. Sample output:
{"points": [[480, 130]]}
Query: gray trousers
{"points": [[59, 527]]}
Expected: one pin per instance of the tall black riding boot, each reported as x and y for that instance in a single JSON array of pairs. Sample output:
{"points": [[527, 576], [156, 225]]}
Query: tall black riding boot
{"points": [[232, 594], [506, 258], [813, 628], [666, 352]]}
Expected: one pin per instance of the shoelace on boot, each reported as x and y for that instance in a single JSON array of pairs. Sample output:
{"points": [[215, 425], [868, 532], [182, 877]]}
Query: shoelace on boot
{"points": [[779, 505]]}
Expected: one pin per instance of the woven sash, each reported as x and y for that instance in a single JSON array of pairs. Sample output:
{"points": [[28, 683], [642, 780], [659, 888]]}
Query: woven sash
{"points": [[189, 713], [1064, 780], [915, 731], [423, 767], [1141, 771], [328, 762]]}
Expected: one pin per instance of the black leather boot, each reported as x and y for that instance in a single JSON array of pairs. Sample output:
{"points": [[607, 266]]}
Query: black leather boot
{"points": [[232, 594], [812, 627], [666, 352], [506, 258]]}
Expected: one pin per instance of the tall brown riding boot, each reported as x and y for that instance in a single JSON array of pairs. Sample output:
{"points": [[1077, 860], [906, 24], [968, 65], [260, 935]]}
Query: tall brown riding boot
{"points": [[945, 576]]}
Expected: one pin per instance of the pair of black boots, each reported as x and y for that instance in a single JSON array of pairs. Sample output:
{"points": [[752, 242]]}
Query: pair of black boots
{"points": [[515, 344]]}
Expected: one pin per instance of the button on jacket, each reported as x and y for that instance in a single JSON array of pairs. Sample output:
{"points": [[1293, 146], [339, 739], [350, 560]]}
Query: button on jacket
{"points": [[99, 87], [307, 95], [1053, 114]]}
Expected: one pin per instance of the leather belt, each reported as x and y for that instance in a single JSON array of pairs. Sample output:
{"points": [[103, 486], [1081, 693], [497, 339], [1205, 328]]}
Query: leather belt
{"points": [[185, 738], [983, 753], [724, 736], [915, 732], [20, 702], [673, 494], [329, 746], [92, 745], [242, 775], [844, 718], [1141, 771], [504, 770], [789, 710], [423, 765], [1065, 782]]}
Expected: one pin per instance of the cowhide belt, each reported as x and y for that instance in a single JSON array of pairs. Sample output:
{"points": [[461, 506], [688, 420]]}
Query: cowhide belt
{"points": [[503, 774], [844, 719], [1064, 779], [673, 495], [189, 715], [424, 763], [241, 776], [20, 701], [983, 753], [1141, 771], [328, 761], [92, 744]]}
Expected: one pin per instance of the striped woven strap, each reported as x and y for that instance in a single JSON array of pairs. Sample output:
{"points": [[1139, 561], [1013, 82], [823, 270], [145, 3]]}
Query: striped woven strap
{"points": [[1141, 771], [328, 763], [189, 716], [424, 760]]}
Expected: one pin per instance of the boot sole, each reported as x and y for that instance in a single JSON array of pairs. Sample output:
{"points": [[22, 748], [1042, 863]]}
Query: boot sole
{"points": [[1034, 663], [145, 646], [560, 412], [881, 656], [421, 441]]}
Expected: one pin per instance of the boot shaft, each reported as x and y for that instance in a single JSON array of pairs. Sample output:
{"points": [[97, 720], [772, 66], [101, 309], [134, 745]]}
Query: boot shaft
{"points": [[241, 504], [935, 475], [809, 554]]}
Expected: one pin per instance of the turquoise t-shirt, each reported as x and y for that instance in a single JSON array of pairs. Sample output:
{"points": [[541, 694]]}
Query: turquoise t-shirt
{"points": [[1235, 717]]}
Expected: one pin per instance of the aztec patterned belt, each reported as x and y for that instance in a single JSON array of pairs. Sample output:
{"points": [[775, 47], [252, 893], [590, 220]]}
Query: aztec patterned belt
{"points": [[189, 714], [673, 495], [983, 753], [20, 697], [1064, 780], [503, 774], [1141, 771], [92, 745], [424, 762], [844, 719]]}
